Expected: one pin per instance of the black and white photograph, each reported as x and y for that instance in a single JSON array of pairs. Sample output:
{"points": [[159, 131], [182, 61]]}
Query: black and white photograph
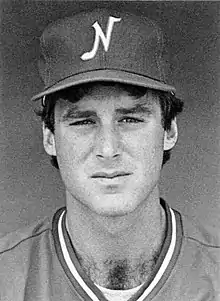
{"points": [[110, 150]]}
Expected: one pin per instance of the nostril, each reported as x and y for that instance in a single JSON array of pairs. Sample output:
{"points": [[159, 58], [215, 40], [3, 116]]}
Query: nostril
{"points": [[100, 156], [116, 155]]}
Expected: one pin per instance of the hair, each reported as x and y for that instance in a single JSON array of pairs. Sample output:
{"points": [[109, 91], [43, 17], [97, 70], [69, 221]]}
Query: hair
{"points": [[170, 106]]}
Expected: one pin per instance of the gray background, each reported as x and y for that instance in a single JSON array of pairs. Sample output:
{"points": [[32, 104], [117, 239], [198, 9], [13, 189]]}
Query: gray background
{"points": [[31, 188]]}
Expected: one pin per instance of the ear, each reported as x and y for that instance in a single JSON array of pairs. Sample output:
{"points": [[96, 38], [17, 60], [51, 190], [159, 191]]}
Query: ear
{"points": [[49, 141], [171, 135]]}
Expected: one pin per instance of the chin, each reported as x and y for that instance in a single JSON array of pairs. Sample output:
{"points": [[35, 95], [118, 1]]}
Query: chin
{"points": [[113, 207], [112, 212]]}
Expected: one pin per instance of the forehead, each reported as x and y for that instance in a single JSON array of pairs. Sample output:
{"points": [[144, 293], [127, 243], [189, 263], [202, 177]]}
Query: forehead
{"points": [[96, 95]]}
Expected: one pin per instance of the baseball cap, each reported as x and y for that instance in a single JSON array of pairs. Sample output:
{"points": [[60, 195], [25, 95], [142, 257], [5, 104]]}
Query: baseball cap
{"points": [[102, 45]]}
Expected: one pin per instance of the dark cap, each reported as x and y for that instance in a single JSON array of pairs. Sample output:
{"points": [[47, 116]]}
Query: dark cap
{"points": [[102, 45]]}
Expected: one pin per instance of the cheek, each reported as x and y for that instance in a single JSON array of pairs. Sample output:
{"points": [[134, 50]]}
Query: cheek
{"points": [[147, 144], [71, 149], [148, 159]]}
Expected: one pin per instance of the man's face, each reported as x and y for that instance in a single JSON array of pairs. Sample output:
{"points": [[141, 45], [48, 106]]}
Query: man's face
{"points": [[109, 146]]}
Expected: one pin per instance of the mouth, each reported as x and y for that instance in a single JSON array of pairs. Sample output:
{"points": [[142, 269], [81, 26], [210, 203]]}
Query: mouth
{"points": [[110, 175]]}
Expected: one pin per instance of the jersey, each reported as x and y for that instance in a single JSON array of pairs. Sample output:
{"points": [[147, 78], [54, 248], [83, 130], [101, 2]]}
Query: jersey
{"points": [[39, 263]]}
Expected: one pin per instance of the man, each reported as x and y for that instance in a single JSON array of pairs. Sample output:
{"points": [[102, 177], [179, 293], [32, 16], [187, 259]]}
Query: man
{"points": [[109, 123]]}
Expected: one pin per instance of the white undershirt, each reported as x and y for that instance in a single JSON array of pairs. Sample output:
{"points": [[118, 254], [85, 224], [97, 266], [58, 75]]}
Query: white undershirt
{"points": [[118, 295]]}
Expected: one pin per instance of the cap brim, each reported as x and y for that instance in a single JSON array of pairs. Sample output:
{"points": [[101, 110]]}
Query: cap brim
{"points": [[106, 75]]}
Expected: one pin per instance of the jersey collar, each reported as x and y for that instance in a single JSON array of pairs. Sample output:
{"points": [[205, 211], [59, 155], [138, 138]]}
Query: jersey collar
{"points": [[82, 283]]}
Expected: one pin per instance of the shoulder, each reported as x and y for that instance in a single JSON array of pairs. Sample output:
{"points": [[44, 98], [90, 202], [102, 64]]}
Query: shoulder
{"points": [[200, 244], [199, 258], [24, 255], [16, 247], [23, 236], [204, 235], [200, 239], [17, 253], [198, 262], [26, 239]]}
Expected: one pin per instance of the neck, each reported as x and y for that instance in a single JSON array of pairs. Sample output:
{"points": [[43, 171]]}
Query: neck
{"points": [[131, 241]]}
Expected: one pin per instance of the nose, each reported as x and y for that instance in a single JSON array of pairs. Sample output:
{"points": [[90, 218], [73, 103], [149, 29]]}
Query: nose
{"points": [[107, 143]]}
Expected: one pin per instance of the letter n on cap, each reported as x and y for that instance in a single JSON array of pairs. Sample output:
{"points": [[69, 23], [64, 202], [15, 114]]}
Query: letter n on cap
{"points": [[99, 35]]}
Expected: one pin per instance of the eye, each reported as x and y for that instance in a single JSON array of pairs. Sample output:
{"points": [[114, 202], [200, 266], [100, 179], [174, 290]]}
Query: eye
{"points": [[130, 120], [83, 122]]}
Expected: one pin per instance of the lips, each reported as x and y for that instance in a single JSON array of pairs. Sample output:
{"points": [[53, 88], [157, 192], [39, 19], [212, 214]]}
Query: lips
{"points": [[110, 175]]}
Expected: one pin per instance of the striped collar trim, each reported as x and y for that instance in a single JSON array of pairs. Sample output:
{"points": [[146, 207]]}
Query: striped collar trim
{"points": [[90, 291]]}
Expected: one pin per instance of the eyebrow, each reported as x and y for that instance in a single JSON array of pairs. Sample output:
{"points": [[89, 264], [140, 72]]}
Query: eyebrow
{"points": [[75, 112], [136, 109]]}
